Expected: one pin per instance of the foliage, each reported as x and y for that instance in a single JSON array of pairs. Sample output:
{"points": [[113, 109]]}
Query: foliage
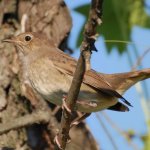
{"points": [[118, 19]]}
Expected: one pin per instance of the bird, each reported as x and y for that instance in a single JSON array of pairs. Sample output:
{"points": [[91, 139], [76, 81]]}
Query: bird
{"points": [[49, 72]]}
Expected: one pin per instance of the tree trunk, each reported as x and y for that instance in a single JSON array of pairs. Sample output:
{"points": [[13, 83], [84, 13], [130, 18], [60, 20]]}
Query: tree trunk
{"points": [[52, 18]]}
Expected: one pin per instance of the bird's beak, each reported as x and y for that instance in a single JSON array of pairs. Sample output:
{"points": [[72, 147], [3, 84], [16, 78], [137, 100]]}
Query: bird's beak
{"points": [[14, 41], [9, 40]]}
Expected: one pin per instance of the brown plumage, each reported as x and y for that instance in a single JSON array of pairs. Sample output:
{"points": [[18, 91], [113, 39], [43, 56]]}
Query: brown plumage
{"points": [[49, 71]]}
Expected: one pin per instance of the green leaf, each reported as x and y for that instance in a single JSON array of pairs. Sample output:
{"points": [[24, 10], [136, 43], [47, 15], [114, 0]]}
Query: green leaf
{"points": [[118, 19]]}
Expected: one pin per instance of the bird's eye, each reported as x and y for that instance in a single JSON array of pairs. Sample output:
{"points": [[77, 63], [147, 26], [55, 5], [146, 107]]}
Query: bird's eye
{"points": [[27, 38]]}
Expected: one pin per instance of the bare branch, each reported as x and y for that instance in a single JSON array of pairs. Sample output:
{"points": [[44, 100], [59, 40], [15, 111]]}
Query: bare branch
{"points": [[83, 64], [139, 59], [42, 114], [36, 117], [119, 130], [106, 131]]}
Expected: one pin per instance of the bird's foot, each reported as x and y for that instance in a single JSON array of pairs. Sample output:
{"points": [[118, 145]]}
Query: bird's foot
{"points": [[64, 105], [83, 116], [79, 119], [57, 141]]}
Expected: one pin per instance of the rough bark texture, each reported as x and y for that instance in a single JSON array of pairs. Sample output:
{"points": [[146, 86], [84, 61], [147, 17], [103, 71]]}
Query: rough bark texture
{"points": [[51, 17], [83, 65]]}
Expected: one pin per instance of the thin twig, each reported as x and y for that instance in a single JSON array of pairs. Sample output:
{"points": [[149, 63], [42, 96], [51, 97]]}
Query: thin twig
{"points": [[55, 111], [140, 91], [106, 131], [120, 131], [140, 58], [83, 64]]}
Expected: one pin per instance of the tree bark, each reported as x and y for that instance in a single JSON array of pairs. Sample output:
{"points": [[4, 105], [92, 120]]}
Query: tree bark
{"points": [[51, 17]]}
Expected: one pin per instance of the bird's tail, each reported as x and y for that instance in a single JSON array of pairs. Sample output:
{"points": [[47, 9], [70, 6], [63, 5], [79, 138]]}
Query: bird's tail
{"points": [[123, 81]]}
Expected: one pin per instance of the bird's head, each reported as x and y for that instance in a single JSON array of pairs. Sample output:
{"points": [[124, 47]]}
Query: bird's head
{"points": [[28, 42]]}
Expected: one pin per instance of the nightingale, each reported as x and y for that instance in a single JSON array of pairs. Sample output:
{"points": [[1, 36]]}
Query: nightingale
{"points": [[49, 72]]}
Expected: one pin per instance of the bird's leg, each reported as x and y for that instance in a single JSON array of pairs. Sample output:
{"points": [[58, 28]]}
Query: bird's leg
{"points": [[81, 102], [57, 141], [64, 105], [79, 119], [85, 115], [74, 123]]}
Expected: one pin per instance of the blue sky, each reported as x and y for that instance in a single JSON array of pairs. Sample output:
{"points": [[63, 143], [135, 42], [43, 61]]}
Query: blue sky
{"points": [[112, 63]]}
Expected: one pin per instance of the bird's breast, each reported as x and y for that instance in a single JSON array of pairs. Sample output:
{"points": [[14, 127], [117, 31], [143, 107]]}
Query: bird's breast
{"points": [[48, 81]]}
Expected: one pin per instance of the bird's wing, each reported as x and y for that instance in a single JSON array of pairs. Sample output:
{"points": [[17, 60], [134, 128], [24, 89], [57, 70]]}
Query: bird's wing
{"points": [[63, 62], [119, 107], [67, 65], [92, 78]]}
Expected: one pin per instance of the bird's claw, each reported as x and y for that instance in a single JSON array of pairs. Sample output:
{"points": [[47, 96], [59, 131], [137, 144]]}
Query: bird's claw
{"points": [[57, 141], [64, 105], [79, 119]]}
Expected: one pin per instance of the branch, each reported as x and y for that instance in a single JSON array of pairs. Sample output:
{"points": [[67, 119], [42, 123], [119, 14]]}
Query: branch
{"points": [[111, 139], [83, 64], [139, 59], [119, 130], [26, 120], [42, 114]]}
